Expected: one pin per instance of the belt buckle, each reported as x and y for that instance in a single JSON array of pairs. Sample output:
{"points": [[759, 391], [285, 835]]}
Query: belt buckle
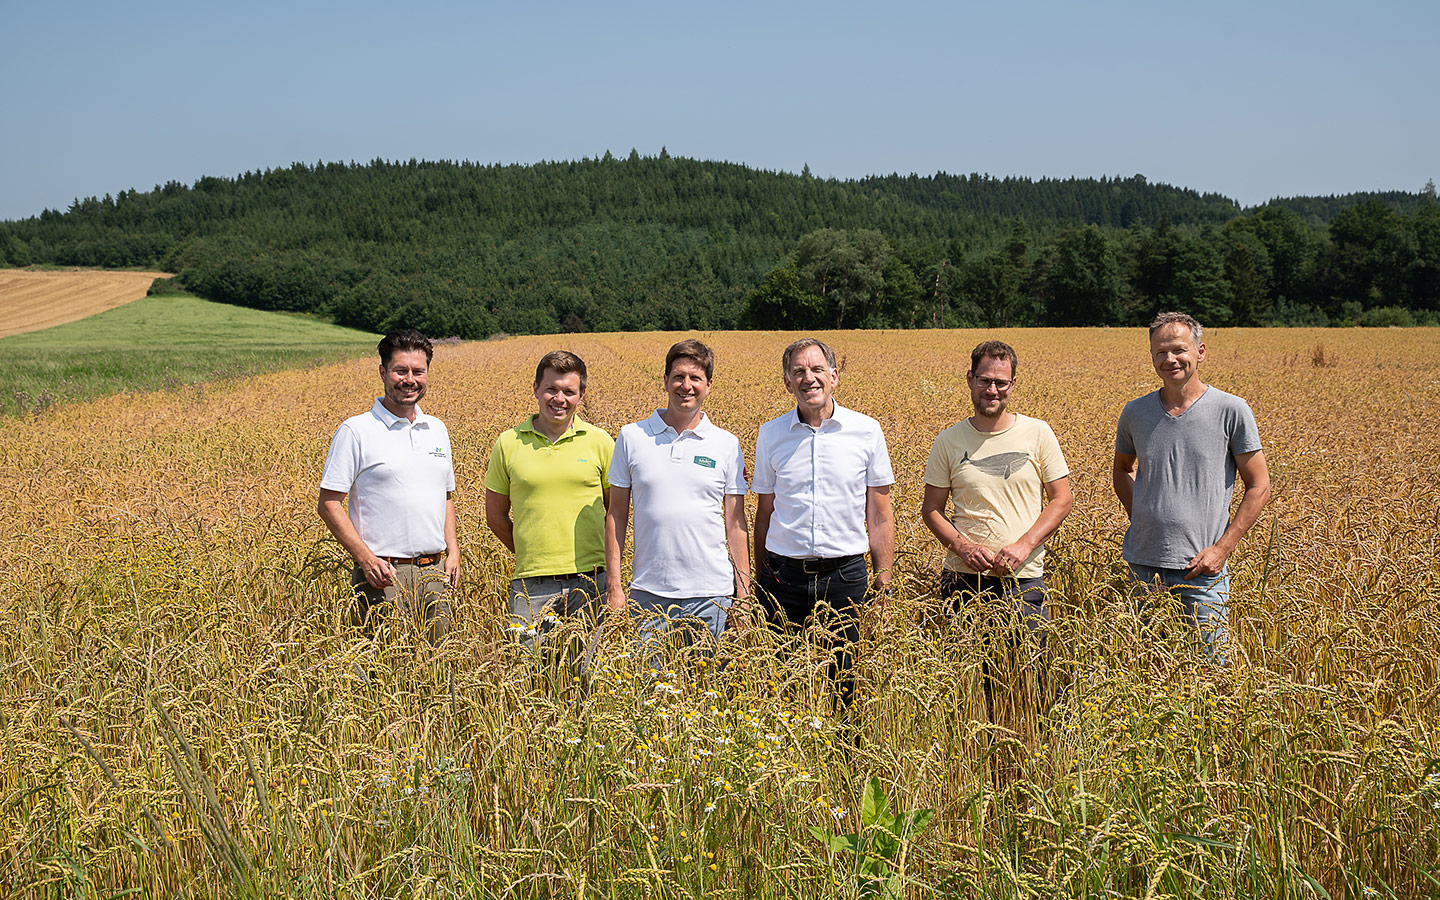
{"points": [[810, 565]]}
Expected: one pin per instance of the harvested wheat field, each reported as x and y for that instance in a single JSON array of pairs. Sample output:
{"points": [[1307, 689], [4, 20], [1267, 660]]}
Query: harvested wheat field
{"points": [[184, 713], [30, 301]]}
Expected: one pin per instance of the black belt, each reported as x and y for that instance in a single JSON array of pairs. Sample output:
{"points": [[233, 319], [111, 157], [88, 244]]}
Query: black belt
{"points": [[570, 576], [813, 565], [425, 559]]}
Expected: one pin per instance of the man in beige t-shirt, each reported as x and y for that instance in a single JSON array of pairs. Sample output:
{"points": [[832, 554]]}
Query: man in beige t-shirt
{"points": [[1008, 482]]}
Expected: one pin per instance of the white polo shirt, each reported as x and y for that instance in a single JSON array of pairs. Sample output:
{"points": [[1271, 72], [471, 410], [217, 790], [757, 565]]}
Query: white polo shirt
{"points": [[820, 477], [397, 474], [678, 484]]}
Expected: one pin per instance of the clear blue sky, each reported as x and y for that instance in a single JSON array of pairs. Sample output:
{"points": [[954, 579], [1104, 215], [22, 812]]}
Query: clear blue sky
{"points": [[1248, 99]]}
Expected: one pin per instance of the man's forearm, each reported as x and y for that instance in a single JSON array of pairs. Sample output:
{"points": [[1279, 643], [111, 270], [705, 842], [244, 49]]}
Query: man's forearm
{"points": [[1049, 521], [763, 511], [452, 540], [332, 513], [738, 538], [616, 532], [882, 550], [944, 530], [881, 529], [1124, 484], [1248, 513], [497, 517]]}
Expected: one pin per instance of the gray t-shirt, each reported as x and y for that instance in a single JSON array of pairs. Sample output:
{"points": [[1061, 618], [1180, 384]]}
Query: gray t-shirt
{"points": [[1186, 474]]}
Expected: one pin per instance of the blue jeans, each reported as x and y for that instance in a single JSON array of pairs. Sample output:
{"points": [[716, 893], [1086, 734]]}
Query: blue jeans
{"points": [[658, 614], [1204, 600]]}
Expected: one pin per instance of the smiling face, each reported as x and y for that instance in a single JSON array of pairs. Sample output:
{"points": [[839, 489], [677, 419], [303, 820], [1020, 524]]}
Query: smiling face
{"points": [[405, 379], [811, 380], [686, 385], [1175, 354], [559, 396], [986, 392]]}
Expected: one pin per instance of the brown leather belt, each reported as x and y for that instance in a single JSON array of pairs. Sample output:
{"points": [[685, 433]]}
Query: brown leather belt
{"points": [[427, 559]]}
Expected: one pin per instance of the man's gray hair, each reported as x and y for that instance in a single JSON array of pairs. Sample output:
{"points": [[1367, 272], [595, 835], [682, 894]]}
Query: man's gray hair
{"points": [[802, 344], [1177, 318]]}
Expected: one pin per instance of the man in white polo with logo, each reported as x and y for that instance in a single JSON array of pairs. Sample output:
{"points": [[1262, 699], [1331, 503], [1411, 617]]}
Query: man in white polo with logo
{"points": [[685, 478], [394, 464], [822, 484]]}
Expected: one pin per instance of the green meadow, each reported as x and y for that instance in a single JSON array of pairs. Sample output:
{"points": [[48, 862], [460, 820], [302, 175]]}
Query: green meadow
{"points": [[164, 342]]}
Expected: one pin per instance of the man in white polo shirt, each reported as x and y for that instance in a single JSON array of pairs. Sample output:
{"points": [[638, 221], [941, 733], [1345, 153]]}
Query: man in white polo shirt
{"points": [[822, 482], [394, 464], [686, 479]]}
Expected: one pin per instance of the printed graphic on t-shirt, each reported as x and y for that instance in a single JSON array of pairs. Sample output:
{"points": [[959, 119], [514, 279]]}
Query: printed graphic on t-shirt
{"points": [[1001, 465]]}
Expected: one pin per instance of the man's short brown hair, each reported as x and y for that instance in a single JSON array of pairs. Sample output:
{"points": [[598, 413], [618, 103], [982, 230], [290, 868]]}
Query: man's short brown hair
{"points": [[563, 362], [994, 350], [1177, 318], [694, 351]]}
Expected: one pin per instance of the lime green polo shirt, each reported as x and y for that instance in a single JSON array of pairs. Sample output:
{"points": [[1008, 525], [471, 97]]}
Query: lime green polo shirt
{"points": [[557, 496]]}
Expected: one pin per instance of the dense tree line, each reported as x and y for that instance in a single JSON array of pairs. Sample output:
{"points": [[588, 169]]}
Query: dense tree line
{"points": [[671, 243]]}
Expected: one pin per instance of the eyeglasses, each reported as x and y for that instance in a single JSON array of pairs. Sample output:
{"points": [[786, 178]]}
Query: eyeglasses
{"points": [[1001, 386]]}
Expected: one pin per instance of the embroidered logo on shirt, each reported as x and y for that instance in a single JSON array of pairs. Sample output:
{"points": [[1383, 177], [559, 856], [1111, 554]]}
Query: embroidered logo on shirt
{"points": [[705, 461], [438, 451]]}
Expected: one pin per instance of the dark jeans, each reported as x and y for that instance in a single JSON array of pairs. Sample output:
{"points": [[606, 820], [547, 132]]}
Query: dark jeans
{"points": [[965, 593], [962, 588], [792, 589]]}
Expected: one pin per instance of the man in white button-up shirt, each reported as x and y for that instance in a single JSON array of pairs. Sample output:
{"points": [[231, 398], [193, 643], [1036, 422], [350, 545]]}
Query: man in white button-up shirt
{"points": [[686, 479], [394, 463], [822, 481]]}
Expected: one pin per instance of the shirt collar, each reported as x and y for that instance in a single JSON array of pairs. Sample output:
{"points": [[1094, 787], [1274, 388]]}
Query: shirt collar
{"points": [[656, 424], [797, 422], [390, 420], [577, 426]]}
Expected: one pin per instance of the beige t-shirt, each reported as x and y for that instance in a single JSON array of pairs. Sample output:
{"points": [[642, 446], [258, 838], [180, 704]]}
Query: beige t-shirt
{"points": [[997, 483]]}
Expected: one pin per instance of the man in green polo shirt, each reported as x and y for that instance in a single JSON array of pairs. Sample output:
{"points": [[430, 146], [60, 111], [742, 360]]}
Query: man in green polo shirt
{"points": [[546, 493]]}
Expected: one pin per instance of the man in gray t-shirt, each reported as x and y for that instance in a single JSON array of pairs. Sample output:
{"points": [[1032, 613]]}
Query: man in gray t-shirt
{"points": [[1177, 452]]}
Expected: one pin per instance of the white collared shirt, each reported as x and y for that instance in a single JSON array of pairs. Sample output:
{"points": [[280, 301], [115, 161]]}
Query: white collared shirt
{"points": [[397, 474], [820, 478], [678, 484]]}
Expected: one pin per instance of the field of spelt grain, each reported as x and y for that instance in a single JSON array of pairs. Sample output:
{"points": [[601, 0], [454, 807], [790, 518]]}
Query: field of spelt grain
{"points": [[31, 301], [181, 713]]}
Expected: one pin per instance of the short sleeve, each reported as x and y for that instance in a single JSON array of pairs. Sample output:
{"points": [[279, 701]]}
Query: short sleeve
{"points": [[737, 485], [1052, 461], [1245, 435], [497, 474], [879, 473], [342, 463], [618, 473], [937, 467], [607, 453], [1124, 438], [763, 481]]}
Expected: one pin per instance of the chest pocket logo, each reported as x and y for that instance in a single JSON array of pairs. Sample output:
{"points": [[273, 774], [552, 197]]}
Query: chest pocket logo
{"points": [[705, 461]]}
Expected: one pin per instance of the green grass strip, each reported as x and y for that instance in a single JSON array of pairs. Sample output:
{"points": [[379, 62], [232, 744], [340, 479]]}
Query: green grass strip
{"points": [[165, 342]]}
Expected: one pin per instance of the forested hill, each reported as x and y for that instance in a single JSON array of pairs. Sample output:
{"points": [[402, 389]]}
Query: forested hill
{"points": [[672, 243]]}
